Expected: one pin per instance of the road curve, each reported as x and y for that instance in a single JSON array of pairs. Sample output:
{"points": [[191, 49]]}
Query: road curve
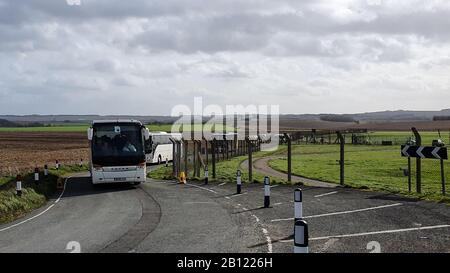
{"points": [[153, 217]]}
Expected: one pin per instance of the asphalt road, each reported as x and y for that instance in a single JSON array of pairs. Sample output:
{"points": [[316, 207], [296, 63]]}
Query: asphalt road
{"points": [[163, 216]]}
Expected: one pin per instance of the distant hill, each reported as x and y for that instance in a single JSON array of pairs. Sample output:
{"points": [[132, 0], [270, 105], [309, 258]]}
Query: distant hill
{"points": [[7, 123], [361, 118]]}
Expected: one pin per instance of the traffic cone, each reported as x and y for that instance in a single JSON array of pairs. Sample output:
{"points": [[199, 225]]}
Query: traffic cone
{"points": [[182, 178]]}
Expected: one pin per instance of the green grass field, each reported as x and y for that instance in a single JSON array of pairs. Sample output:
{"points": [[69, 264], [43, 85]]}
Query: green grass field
{"points": [[371, 167]]}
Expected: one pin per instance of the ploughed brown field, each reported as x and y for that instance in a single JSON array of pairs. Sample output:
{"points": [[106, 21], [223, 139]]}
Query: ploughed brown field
{"points": [[25, 150]]}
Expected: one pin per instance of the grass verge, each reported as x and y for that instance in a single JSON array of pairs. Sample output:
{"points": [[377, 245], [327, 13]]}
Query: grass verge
{"points": [[33, 196]]}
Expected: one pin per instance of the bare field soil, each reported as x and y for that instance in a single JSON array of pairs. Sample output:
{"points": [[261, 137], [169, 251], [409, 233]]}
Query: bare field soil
{"points": [[25, 150]]}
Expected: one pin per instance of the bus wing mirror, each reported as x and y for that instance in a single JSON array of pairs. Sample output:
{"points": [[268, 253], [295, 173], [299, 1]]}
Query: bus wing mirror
{"points": [[90, 133], [146, 134]]}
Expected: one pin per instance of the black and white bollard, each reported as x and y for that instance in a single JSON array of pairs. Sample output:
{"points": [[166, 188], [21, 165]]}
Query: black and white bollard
{"points": [[81, 162], [45, 170], [238, 181], [36, 175], [206, 175], [57, 165], [19, 185], [298, 206], [301, 236], [167, 162], [266, 192]]}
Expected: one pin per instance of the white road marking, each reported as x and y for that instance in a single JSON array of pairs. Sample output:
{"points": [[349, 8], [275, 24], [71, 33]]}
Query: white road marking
{"points": [[236, 195], [325, 194], [191, 203], [268, 239], [203, 188], [340, 212], [221, 184], [41, 213], [373, 233], [271, 186], [277, 204]]}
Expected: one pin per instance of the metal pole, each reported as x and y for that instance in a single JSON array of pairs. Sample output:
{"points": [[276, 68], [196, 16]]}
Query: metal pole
{"points": [[179, 147], [250, 161], [443, 177], [289, 157], [206, 151], [418, 162], [173, 156], [341, 160], [213, 147], [409, 174], [186, 147], [235, 135], [194, 158]]}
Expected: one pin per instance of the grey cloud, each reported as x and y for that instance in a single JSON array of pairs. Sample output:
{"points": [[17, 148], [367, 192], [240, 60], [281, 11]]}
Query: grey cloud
{"points": [[159, 50]]}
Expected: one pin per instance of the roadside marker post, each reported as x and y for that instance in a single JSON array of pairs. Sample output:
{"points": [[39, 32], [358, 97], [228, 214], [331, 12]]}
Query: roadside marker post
{"points": [[301, 237], [206, 175], [59, 184], [81, 162], [57, 165], [45, 170], [238, 181], [167, 162], [298, 205], [36, 175], [266, 192], [19, 185]]}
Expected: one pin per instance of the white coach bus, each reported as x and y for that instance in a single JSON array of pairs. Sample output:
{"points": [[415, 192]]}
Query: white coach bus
{"points": [[117, 151], [159, 148]]}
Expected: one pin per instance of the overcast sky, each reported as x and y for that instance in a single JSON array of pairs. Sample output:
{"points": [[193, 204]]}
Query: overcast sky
{"points": [[144, 57]]}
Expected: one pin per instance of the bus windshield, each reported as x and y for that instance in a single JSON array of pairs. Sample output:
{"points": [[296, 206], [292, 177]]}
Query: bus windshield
{"points": [[117, 144]]}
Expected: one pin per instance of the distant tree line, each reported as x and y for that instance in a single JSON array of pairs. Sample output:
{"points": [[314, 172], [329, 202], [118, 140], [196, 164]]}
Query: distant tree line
{"points": [[337, 118], [436, 118], [6, 123]]}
